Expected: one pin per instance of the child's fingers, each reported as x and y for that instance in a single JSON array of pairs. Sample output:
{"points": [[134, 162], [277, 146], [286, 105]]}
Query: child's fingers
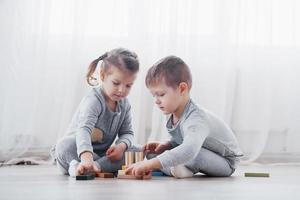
{"points": [[113, 156], [150, 147], [109, 151], [95, 168], [147, 173], [138, 172], [128, 170], [79, 170], [144, 148], [158, 148]]}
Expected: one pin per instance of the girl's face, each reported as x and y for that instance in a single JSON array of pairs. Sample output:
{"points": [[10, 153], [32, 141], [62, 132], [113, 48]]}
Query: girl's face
{"points": [[166, 98], [116, 83]]}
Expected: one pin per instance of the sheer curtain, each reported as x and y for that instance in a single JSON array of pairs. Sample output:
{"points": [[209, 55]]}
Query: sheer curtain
{"points": [[244, 56]]}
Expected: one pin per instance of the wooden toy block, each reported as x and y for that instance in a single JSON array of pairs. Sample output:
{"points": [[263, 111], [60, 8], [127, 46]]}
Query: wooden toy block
{"points": [[130, 176], [104, 175], [139, 156], [121, 172], [157, 173], [122, 175], [251, 174], [127, 176], [85, 177], [124, 167], [129, 158]]}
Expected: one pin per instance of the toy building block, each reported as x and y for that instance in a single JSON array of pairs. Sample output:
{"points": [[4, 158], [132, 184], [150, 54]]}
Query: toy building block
{"points": [[129, 158], [157, 173], [124, 167], [251, 174], [104, 175], [139, 156], [130, 176], [85, 177], [122, 175], [127, 176], [121, 172]]}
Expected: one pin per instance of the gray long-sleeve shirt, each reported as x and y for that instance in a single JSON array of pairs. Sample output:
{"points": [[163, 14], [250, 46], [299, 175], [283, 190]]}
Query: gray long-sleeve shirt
{"points": [[94, 113], [195, 129]]}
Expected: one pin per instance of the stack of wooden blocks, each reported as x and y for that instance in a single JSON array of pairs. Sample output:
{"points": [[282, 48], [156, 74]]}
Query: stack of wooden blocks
{"points": [[130, 158]]}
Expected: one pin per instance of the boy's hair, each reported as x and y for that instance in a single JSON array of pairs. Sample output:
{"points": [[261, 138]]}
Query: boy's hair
{"points": [[121, 58], [172, 70]]}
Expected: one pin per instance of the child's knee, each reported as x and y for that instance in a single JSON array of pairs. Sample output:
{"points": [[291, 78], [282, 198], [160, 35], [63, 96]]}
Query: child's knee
{"points": [[64, 147]]}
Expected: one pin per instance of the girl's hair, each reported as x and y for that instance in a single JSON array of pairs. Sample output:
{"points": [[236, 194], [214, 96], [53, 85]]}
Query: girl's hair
{"points": [[172, 70], [121, 58]]}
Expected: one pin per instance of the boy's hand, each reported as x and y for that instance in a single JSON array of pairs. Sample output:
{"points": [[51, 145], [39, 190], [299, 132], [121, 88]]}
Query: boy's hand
{"points": [[115, 153], [139, 169], [87, 164], [156, 147], [143, 167]]}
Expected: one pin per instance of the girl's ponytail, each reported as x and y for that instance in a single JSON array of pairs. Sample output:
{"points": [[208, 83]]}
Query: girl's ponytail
{"points": [[92, 68]]}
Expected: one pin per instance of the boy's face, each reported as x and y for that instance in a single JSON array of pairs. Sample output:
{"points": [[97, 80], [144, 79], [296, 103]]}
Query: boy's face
{"points": [[166, 98]]}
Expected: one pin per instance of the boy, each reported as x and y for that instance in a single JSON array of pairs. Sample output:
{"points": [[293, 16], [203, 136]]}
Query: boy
{"points": [[200, 141]]}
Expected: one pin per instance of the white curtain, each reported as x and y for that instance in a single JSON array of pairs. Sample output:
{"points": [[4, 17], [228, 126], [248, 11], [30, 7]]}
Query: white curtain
{"points": [[244, 56]]}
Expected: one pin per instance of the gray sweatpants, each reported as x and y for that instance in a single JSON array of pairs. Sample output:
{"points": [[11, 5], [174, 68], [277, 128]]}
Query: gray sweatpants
{"points": [[65, 151], [208, 163]]}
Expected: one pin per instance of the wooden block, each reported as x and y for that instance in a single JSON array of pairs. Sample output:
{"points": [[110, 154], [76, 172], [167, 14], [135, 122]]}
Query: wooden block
{"points": [[139, 156], [124, 167], [121, 172], [126, 176], [252, 174], [104, 175], [157, 173], [85, 177], [130, 176], [129, 158]]}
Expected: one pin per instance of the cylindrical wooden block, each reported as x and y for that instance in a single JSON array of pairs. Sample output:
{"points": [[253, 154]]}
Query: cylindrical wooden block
{"points": [[139, 156], [129, 158]]}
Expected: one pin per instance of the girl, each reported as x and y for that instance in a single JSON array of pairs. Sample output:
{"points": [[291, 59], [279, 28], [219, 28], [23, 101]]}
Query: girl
{"points": [[103, 114]]}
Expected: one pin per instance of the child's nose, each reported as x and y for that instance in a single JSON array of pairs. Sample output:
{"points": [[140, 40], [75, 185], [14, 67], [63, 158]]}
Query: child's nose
{"points": [[121, 89], [157, 101]]}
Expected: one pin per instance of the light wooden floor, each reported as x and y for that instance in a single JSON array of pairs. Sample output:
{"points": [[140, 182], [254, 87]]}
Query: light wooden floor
{"points": [[45, 182]]}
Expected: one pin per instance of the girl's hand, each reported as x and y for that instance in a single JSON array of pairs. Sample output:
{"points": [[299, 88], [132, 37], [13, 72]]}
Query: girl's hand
{"points": [[156, 147], [87, 164], [115, 153]]}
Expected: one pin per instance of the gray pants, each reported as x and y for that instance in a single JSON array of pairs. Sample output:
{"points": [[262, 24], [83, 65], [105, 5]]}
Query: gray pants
{"points": [[208, 163], [65, 151]]}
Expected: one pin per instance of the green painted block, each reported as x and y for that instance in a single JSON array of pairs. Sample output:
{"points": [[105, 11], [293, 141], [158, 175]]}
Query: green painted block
{"points": [[85, 177], [255, 174]]}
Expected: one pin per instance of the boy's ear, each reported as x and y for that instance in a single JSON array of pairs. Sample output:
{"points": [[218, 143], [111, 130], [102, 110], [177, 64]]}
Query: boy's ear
{"points": [[183, 87]]}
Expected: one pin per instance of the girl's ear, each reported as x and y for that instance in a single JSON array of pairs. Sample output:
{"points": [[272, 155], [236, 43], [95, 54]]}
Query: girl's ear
{"points": [[183, 87], [102, 74]]}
